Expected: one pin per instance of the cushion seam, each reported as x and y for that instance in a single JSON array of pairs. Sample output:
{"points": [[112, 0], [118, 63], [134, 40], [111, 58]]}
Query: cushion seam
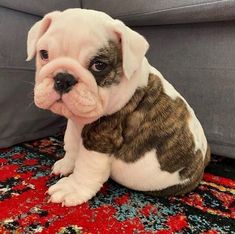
{"points": [[33, 133], [16, 68], [171, 9], [21, 11]]}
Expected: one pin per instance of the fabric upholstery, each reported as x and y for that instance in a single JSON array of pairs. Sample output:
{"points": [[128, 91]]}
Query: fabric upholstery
{"points": [[39, 7], [152, 12], [20, 120]]}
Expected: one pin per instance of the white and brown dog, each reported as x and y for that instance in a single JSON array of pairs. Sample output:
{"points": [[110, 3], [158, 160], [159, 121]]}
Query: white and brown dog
{"points": [[124, 119]]}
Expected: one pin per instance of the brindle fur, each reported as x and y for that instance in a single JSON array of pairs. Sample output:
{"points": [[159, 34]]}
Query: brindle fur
{"points": [[150, 120], [111, 55]]}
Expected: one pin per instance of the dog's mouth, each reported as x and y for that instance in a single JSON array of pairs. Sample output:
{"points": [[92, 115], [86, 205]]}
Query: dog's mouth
{"points": [[60, 99], [77, 101]]}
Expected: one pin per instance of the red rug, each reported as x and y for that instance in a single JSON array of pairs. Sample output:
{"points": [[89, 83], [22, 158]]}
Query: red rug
{"points": [[25, 176]]}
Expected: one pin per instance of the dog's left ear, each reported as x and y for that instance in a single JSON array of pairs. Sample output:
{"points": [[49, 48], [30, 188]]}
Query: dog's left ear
{"points": [[38, 29], [134, 48]]}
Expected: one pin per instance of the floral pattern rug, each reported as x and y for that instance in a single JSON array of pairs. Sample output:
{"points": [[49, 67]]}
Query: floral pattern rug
{"points": [[25, 177]]}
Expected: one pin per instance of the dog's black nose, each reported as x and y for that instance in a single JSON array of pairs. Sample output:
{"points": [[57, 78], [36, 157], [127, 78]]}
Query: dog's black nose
{"points": [[64, 82]]}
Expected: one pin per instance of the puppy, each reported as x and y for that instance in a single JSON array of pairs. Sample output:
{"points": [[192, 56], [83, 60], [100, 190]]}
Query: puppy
{"points": [[124, 119]]}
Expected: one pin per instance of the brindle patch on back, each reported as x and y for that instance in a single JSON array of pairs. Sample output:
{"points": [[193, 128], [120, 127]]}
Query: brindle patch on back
{"points": [[111, 55], [151, 119]]}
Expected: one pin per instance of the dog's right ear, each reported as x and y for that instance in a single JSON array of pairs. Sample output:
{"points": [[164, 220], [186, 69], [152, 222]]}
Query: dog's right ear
{"points": [[37, 30]]}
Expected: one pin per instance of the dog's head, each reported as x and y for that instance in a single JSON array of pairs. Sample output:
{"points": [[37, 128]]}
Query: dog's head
{"points": [[85, 61]]}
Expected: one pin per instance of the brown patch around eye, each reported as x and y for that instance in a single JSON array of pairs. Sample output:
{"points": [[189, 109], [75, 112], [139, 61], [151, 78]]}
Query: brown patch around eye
{"points": [[111, 55]]}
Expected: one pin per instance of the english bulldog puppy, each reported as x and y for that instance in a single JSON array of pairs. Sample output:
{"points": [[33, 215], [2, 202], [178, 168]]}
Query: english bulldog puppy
{"points": [[125, 121]]}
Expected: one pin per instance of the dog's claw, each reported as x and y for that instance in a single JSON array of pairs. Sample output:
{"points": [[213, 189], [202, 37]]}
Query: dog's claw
{"points": [[46, 192], [49, 200]]}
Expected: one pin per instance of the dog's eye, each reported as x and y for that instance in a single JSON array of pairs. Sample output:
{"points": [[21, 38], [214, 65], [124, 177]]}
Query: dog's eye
{"points": [[98, 66], [44, 54]]}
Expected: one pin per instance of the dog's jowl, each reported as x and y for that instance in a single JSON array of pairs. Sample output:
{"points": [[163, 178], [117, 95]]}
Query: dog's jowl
{"points": [[125, 121]]}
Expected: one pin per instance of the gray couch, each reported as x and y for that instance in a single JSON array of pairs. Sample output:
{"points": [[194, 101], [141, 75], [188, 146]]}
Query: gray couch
{"points": [[192, 44]]}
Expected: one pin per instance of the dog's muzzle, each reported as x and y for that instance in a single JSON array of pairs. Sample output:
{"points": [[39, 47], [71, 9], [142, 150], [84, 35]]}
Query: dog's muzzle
{"points": [[64, 82]]}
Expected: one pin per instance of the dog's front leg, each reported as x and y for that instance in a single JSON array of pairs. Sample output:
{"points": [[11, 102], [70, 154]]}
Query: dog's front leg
{"points": [[72, 139], [91, 170]]}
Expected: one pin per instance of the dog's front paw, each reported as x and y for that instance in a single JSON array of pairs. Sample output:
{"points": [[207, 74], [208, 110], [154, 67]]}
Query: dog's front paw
{"points": [[63, 167], [70, 193]]}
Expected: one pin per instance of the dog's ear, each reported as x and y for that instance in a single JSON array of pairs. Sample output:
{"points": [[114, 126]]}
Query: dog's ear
{"points": [[134, 48], [37, 30]]}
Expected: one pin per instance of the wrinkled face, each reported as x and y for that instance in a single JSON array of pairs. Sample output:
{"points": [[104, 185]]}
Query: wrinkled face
{"points": [[79, 63]]}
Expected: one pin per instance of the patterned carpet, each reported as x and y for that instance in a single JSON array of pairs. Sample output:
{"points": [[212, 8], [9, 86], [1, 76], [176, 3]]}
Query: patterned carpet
{"points": [[25, 177]]}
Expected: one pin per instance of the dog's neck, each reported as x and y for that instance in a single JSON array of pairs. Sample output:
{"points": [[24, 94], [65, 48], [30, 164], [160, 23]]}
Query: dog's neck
{"points": [[128, 87]]}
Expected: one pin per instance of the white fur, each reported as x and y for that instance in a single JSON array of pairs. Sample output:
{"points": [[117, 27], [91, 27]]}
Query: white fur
{"points": [[144, 174], [72, 140], [91, 170]]}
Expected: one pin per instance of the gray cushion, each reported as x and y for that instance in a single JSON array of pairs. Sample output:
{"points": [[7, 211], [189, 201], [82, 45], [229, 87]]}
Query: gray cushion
{"points": [[197, 58], [20, 120], [39, 7], [152, 12]]}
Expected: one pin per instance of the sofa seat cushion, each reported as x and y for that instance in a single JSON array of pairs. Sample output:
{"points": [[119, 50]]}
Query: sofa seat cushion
{"points": [[39, 7], [152, 12]]}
